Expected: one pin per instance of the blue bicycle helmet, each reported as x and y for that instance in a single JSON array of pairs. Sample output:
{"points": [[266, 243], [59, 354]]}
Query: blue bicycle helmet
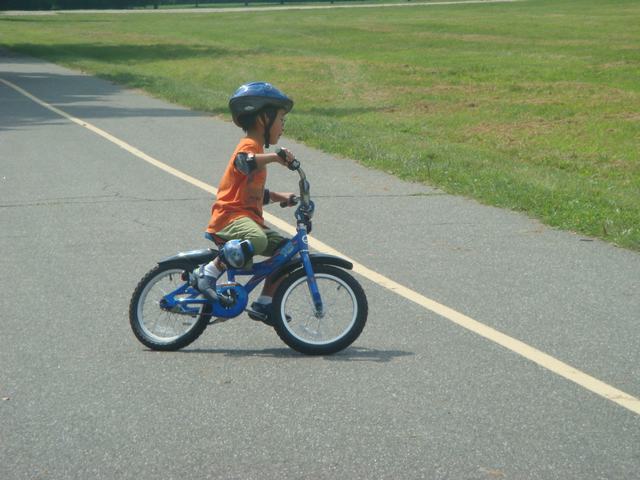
{"points": [[252, 97]]}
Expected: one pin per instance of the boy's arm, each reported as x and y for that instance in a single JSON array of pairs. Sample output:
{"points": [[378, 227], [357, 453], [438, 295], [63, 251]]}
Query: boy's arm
{"points": [[262, 159], [248, 162], [285, 199]]}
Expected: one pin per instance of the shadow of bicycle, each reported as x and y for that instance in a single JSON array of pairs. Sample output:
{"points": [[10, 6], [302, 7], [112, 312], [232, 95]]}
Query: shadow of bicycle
{"points": [[353, 354]]}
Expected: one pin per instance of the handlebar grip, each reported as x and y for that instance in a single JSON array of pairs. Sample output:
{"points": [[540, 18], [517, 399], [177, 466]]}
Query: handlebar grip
{"points": [[293, 165], [293, 200], [281, 153]]}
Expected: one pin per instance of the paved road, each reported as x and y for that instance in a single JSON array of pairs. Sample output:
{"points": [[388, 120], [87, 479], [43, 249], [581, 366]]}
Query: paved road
{"points": [[417, 396]]}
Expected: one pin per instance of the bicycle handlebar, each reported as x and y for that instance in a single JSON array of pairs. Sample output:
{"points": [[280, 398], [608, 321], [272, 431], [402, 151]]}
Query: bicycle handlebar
{"points": [[306, 209]]}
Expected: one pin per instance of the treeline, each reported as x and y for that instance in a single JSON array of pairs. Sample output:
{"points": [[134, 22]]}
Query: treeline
{"points": [[72, 4], [116, 4]]}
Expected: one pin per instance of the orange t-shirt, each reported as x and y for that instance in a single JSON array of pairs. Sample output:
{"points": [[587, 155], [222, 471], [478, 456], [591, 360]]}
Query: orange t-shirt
{"points": [[239, 195]]}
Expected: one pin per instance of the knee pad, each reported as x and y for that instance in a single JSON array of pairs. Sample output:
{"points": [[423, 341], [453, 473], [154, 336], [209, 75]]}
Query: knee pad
{"points": [[236, 253]]}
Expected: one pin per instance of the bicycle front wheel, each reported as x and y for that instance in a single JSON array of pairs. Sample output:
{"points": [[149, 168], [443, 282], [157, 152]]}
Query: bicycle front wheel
{"points": [[338, 326]]}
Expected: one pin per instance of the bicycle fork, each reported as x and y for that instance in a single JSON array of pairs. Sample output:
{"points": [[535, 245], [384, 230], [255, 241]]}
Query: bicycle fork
{"points": [[311, 280]]}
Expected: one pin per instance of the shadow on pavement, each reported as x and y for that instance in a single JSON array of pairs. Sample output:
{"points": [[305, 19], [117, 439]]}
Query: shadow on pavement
{"points": [[73, 94], [352, 354]]}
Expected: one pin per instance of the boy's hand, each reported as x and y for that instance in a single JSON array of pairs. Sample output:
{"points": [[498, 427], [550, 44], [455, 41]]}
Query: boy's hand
{"points": [[285, 199], [286, 156]]}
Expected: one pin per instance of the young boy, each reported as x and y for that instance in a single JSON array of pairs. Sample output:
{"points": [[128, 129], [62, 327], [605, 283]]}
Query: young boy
{"points": [[259, 109]]}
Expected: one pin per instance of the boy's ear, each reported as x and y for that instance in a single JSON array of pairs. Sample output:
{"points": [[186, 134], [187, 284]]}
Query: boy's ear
{"points": [[261, 120]]}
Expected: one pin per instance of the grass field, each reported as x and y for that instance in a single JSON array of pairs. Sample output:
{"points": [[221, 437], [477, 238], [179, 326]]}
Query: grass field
{"points": [[534, 105]]}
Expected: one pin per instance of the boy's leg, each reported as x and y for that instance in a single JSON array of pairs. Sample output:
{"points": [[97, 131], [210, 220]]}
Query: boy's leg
{"points": [[262, 306], [206, 276], [246, 229], [264, 242], [274, 241]]}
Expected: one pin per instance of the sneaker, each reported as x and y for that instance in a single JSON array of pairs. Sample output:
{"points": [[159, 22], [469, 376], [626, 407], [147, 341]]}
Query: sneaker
{"points": [[205, 284], [260, 312]]}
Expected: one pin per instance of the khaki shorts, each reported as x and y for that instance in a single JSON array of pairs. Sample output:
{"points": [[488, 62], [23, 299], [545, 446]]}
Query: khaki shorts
{"points": [[264, 240]]}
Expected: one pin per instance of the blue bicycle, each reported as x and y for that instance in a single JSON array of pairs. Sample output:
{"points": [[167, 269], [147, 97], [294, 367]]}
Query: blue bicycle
{"points": [[318, 307]]}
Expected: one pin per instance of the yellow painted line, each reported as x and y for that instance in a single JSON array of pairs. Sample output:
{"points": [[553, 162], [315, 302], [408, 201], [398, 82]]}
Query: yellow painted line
{"points": [[544, 360]]}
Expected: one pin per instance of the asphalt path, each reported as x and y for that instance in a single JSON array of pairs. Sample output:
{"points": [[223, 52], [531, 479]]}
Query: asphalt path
{"points": [[417, 396]]}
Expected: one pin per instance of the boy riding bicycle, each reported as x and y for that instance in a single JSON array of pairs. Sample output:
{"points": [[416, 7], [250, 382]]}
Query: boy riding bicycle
{"points": [[236, 216]]}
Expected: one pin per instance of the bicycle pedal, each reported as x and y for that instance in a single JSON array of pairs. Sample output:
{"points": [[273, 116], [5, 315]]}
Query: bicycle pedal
{"points": [[253, 315], [260, 317], [218, 320]]}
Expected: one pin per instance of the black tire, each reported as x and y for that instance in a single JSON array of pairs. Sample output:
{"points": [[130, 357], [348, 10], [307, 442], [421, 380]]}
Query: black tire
{"points": [[296, 323], [145, 305]]}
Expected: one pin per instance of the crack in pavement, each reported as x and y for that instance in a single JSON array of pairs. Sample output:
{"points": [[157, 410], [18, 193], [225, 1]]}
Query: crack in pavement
{"points": [[117, 198], [96, 199]]}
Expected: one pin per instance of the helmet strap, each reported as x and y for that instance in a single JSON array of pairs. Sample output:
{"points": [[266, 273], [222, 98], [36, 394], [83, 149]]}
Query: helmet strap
{"points": [[270, 116]]}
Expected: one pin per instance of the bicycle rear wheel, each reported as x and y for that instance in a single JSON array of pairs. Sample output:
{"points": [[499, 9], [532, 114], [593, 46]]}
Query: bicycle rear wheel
{"points": [[160, 328]]}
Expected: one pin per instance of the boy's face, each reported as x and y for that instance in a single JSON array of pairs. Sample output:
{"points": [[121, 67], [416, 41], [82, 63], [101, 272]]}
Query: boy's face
{"points": [[277, 129]]}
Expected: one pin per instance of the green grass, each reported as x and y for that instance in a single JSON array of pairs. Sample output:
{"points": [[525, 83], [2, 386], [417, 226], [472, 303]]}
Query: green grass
{"points": [[533, 106], [274, 3]]}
